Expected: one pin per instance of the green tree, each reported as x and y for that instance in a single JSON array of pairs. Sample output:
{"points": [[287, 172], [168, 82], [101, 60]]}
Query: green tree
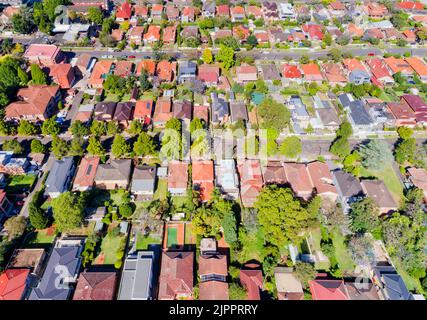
{"points": [[273, 115], [120, 147], [305, 272], [144, 145], [364, 216], [94, 14], [112, 128], [280, 215], [237, 292], [23, 77], [405, 132], [68, 211], [50, 127], [144, 81], [375, 154], [15, 227], [59, 147], [26, 128], [38, 218], [98, 128], [23, 21], [13, 145], [291, 147], [78, 129], [95, 147], [37, 74], [252, 41], [229, 225], [135, 127], [76, 147], [225, 55], [37, 146]]}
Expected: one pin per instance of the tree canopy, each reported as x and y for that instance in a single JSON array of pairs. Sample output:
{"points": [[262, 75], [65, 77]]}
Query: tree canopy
{"points": [[68, 211]]}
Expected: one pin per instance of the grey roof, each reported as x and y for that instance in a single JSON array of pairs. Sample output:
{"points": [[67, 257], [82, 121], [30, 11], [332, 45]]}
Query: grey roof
{"points": [[328, 116], [143, 178], [219, 108], [104, 108], [63, 262], [238, 111], [348, 185], [187, 68], [345, 99], [124, 111], [137, 277], [392, 283], [115, 170], [209, 6], [57, 181], [270, 72], [358, 74], [359, 114]]}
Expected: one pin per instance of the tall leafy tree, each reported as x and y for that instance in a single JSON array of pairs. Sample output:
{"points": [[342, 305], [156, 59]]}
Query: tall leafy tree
{"points": [[59, 147], [144, 145], [37, 75], [364, 216], [26, 128], [120, 146], [375, 154], [50, 127], [68, 211], [95, 147], [291, 147]]}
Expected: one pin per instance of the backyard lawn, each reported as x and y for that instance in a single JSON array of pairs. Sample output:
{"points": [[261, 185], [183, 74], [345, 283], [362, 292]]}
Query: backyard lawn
{"points": [[391, 180], [40, 238], [142, 242], [22, 181], [109, 247], [344, 259], [162, 189], [179, 202]]}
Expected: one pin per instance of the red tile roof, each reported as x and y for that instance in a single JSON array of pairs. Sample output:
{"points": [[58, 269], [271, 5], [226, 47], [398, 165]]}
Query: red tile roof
{"points": [[252, 280], [299, 179], [418, 65], [143, 109], [311, 72], [291, 71], [398, 65], [176, 275], [147, 65], [378, 68], [314, 31], [13, 283], [208, 73], [321, 178], [101, 68], [85, 176], [411, 5], [353, 64], [213, 290], [95, 286], [124, 11], [152, 34], [163, 110], [178, 174], [169, 34], [203, 178], [62, 74], [324, 289], [165, 70], [223, 10]]}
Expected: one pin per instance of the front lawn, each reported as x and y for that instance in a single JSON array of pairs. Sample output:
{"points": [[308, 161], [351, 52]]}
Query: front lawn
{"points": [[390, 179]]}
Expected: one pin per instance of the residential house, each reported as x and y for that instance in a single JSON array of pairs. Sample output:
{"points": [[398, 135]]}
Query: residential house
{"points": [[162, 111], [273, 173], [96, 285], [410, 36], [63, 75], [169, 35], [252, 279], [402, 113], [226, 179], [45, 55], [177, 177], [238, 111], [286, 11], [313, 31], [139, 277], [123, 68], [364, 290], [124, 11], [208, 9], [104, 111], [152, 35], [334, 74], [349, 188], [136, 35], [270, 11], [36, 103], [166, 70], [410, 5], [356, 72], [419, 66], [85, 176], [311, 72], [172, 12], [291, 73], [140, 11], [261, 36], [300, 116], [176, 276], [101, 70], [390, 284], [187, 71], [277, 36], [223, 10], [182, 110], [66, 255], [237, 14], [378, 192], [241, 33], [7, 14], [190, 32], [143, 111], [213, 271], [322, 180], [418, 177], [208, 74], [144, 180], [12, 165], [146, 65], [157, 12], [251, 181], [326, 112], [246, 73], [5, 205], [14, 284], [418, 105], [219, 109], [287, 284], [85, 63], [123, 114], [328, 289], [113, 175], [254, 11], [203, 178], [270, 73], [188, 14], [298, 178], [359, 117], [31, 259], [60, 176], [380, 73], [375, 10], [396, 65]]}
